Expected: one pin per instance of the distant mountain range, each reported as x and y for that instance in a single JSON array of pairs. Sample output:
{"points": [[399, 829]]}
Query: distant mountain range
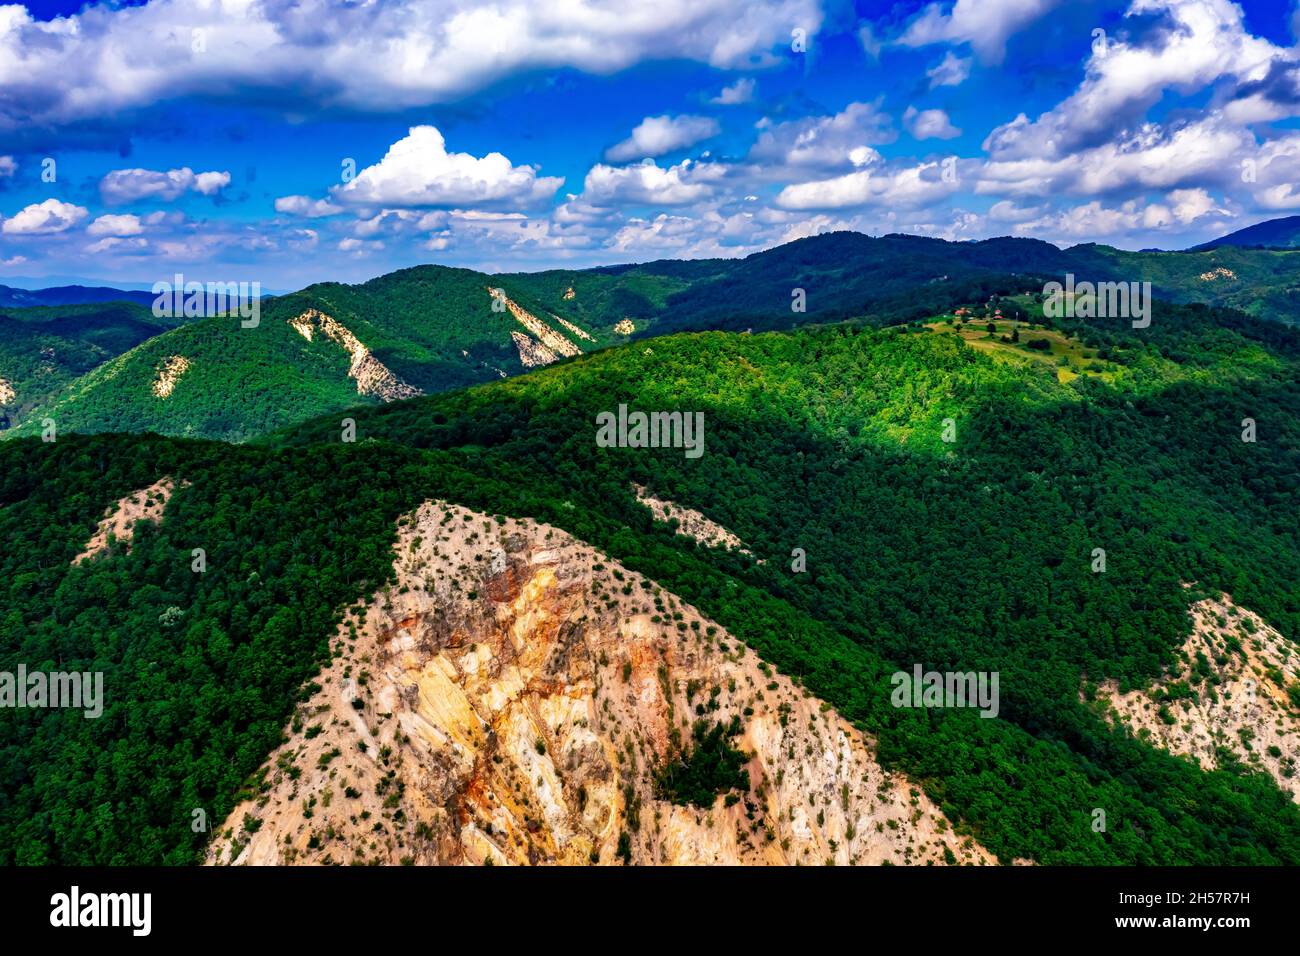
{"points": [[15, 298], [433, 328]]}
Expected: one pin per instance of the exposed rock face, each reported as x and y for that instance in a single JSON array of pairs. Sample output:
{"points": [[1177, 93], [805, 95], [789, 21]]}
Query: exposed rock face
{"points": [[119, 519], [580, 333], [508, 700], [553, 340], [624, 327], [532, 352], [689, 522], [7, 393], [169, 373], [1241, 705], [1219, 273], [373, 378], [569, 294]]}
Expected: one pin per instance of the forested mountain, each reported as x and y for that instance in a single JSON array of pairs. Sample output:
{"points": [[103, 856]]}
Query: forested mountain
{"points": [[1281, 233], [430, 329], [43, 349], [906, 495]]}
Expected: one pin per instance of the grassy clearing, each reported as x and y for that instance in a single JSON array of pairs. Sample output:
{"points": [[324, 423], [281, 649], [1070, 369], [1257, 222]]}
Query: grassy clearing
{"points": [[1068, 356]]}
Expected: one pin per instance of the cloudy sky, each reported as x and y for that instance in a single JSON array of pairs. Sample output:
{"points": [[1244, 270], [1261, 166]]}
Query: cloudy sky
{"points": [[289, 142]]}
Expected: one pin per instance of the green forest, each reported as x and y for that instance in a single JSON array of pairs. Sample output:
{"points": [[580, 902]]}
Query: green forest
{"points": [[969, 554]]}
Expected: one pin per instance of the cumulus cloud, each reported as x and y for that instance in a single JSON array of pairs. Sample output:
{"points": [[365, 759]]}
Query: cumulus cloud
{"points": [[929, 124], [984, 24], [742, 91], [306, 207], [1008, 211], [7, 167], [44, 218], [113, 225], [1207, 151], [417, 170], [648, 184], [952, 70], [130, 185], [657, 135], [1196, 43], [908, 186], [119, 244], [337, 53], [841, 141]]}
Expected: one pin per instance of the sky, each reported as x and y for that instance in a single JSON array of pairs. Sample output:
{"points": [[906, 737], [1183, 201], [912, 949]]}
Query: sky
{"points": [[293, 142]]}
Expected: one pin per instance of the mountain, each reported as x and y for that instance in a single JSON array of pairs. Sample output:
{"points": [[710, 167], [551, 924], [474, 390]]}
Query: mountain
{"points": [[330, 346], [13, 298], [44, 349], [1281, 233], [473, 624], [431, 328]]}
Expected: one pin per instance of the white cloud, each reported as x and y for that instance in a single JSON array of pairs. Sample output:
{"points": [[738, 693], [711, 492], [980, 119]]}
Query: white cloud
{"points": [[657, 135], [742, 91], [984, 24], [736, 94], [647, 184], [841, 141], [871, 44], [909, 186], [1207, 151], [417, 170], [1204, 42], [129, 185], [952, 70], [1091, 220], [1191, 204], [7, 166], [1008, 211], [44, 218], [306, 207], [360, 246], [1088, 221], [118, 244], [338, 53], [929, 124], [115, 226]]}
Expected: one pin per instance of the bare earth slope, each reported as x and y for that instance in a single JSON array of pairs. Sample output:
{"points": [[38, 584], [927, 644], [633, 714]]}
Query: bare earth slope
{"points": [[507, 701], [1240, 703]]}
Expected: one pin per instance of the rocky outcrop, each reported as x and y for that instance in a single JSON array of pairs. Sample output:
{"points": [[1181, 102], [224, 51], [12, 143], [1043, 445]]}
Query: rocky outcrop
{"points": [[373, 378], [553, 340], [7, 393], [1237, 692], [580, 333], [510, 698], [120, 519], [169, 373], [532, 352], [690, 522], [624, 327]]}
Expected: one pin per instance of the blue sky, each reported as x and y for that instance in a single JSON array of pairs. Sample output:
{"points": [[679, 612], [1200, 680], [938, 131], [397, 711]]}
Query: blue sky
{"points": [[291, 142]]}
